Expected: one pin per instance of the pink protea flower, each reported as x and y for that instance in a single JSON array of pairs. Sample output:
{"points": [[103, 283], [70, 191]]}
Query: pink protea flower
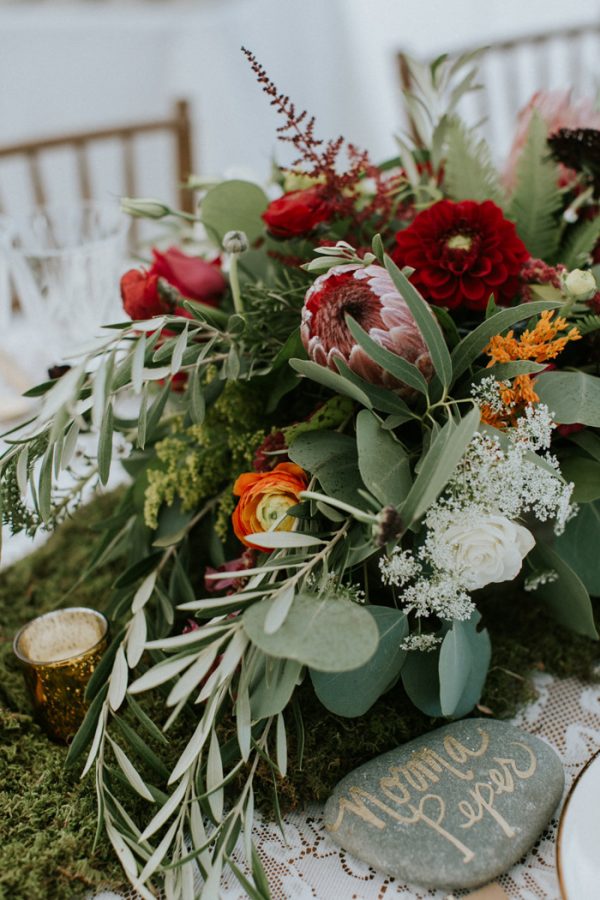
{"points": [[558, 110], [369, 295]]}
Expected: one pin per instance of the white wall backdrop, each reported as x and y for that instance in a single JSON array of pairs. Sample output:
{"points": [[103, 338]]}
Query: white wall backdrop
{"points": [[83, 65]]}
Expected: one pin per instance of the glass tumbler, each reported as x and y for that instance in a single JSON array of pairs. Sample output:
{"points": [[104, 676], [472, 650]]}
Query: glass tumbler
{"points": [[65, 263]]}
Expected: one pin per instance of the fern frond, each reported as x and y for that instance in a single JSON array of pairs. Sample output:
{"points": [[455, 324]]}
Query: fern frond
{"points": [[537, 200], [588, 324], [469, 171], [579, 243]]}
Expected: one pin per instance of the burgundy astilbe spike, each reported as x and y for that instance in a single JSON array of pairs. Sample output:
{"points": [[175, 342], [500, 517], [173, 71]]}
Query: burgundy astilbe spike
{"points": [[339, 166]]}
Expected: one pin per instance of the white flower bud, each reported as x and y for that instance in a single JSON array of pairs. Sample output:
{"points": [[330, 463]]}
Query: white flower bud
{"points": [[580, 284], [144, 208], [235, 242]]}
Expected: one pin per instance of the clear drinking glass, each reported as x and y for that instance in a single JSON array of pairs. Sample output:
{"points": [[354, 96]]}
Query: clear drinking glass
{"points": [[65, 263]]}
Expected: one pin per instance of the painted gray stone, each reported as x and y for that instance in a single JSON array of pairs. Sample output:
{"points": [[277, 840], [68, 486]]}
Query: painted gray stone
{"points": [[452, 809]]}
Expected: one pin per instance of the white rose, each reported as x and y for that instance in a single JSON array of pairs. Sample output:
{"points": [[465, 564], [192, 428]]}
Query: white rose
{"points": [[487, 549], [581, 284]]}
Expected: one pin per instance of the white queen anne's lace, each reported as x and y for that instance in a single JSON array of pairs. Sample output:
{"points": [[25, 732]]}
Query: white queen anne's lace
{"points": [[472, 533]]}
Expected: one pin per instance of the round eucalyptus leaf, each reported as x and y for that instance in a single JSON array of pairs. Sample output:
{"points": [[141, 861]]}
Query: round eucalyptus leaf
{"points": [[352, 693], [326, 633], [234, 206]]}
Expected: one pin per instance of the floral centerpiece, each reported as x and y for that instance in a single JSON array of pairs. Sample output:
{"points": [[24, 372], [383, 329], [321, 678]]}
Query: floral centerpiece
{"points": [[372, 401]]}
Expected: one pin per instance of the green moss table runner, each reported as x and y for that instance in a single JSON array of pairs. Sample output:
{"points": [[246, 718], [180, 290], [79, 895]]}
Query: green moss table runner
{"points": [[48, 817]]}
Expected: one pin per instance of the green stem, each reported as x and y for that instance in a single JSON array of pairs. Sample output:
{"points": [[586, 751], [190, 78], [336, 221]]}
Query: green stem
{"points": [[234, 281]]}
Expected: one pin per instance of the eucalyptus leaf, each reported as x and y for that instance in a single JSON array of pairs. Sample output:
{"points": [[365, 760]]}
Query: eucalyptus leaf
{"points": [[571, 397], [566, 597], [352, 693], [421, 681], [272, 685], [585, 475], [578, 546], [383, 462], [481, 653], [327, 633], [234, 206], [438, 465], [454, 667], [329, 379], [333, 459]]}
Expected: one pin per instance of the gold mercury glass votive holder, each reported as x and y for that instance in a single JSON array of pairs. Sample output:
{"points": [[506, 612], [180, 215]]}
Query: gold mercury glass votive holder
{"points": [[59, 651]]}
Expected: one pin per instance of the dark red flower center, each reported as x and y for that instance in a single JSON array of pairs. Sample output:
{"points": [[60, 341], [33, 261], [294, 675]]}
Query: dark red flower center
{"points": [[342, 295], [460, 249]]}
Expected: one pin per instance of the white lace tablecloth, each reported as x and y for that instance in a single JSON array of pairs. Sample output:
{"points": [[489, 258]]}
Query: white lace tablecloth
{"points": [[307, 865]]}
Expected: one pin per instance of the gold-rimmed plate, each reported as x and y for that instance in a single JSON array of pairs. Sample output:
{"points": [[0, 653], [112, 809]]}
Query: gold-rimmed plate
{"points": [[578, 837]]}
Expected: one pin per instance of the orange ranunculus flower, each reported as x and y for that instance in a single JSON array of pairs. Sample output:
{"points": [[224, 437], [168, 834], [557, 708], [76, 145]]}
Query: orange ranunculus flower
{"points": [[264, 498]]}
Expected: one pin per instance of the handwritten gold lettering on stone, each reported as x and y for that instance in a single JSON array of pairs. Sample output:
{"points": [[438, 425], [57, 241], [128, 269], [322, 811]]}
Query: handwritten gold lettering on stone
{"points": [[403, 798]]}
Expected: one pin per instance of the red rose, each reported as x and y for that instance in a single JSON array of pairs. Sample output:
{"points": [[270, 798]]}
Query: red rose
{"points": [[194, 278], [296, 213], [140, 296], [462, 253]]}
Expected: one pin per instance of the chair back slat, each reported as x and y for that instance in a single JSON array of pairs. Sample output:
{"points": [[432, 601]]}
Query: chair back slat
{"points": [[185, 163], [129, 180], [36, 178], [177, 125], [83, 170]]}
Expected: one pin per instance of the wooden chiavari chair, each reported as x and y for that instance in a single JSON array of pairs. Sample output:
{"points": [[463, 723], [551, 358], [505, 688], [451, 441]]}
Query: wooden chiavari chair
{"points": [[32, 151], [511, 70], [177, 125]]}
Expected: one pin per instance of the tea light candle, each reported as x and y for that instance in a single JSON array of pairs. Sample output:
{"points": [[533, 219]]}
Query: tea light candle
{"points": [[59, 651]]}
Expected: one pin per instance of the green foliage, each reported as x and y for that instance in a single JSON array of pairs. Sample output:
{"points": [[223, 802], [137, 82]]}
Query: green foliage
{"points": [[383, 463], [469, 173], [578, 545], [426, 321], [449, 681], [353, 693], [588, 324], [50, 821], [579, 242], [566, 596], [572, 397], [536, 201], [460, 694], [234, 206], [585, 475], [328, 633], [332, 458], [196, 462], [438, 464]]}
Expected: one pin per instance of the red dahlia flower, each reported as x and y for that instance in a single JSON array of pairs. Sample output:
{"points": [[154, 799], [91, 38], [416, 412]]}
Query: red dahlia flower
{"points": [[297, 213], [194, 278], [462, 253], [369, 295]]}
